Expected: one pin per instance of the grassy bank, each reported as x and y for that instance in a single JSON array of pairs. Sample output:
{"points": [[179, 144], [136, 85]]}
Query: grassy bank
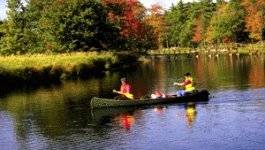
{"points": [[233, 48], [41, 69]]}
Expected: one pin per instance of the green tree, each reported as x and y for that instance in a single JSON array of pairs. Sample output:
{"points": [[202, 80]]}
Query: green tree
{"points": [[227, 22], [175, 19], [206, 12], [14, 40], [1, 29], [61, 26]]}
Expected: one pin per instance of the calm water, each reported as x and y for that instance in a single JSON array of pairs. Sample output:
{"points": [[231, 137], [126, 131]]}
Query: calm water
{"points": [[60, 118]]}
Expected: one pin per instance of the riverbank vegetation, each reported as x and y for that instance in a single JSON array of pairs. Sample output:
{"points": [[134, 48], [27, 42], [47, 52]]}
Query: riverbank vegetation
{"points": [[39, 69], [230, 48]]}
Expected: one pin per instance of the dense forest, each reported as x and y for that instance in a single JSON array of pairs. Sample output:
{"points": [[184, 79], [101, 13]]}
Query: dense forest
{"points": [[47, 26]]}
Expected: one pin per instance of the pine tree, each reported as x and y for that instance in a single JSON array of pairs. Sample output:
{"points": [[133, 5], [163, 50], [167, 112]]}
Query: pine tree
{"points": [[14, 40]]}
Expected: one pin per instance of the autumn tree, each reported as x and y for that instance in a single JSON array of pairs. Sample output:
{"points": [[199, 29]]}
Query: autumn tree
{"points": [[205, 11], [255, 20], [127, 15], [155, 18]]}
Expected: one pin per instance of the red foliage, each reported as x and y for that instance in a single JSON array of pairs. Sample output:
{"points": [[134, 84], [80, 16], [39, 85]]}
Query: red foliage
{"points": [[197, 37], [129, 20]]}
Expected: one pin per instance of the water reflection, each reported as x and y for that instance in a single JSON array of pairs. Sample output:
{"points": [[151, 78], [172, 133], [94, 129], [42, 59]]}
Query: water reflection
{"points": [[126, 120], [191, 114], [160, 109]]}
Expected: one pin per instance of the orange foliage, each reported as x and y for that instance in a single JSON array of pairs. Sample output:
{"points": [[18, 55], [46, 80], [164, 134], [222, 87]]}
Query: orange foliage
{"points": [[157, 21], [197, 37], [254, 18]]}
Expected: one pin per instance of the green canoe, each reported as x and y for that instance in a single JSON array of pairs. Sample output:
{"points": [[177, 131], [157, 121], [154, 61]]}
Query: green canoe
{"points": [[198, 96]]}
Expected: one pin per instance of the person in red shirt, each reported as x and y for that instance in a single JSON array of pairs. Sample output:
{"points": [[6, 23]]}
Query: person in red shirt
{"points": [[125, 90], [125, 87]]}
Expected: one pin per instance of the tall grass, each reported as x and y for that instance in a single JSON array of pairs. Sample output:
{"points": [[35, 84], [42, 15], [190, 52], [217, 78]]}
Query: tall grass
{"points": [[64, 60], [39, 69]]}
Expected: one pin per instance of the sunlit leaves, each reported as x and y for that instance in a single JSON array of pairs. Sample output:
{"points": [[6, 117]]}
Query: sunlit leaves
{"points": [[255, 20], [156, 20], [228, 20]]}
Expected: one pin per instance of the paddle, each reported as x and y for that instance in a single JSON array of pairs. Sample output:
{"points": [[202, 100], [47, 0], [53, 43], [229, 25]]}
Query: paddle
{"points": [[128, 95]]}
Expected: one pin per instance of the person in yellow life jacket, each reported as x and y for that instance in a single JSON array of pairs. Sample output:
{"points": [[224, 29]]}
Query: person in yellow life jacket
{"points": [[125, 90], [187, 84]]}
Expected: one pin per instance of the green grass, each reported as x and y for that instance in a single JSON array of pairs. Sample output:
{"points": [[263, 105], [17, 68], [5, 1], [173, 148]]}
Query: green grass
{"points": [[38, 69], [39, 61]]}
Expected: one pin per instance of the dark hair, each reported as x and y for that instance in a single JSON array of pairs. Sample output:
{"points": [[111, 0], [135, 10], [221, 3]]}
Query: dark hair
{"points": [[187, 74], [123, 79]]}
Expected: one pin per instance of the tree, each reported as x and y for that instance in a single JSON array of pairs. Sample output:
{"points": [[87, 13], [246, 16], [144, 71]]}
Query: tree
{"points": [[84, 25], [127, 15], [183, 22], [14, 40], [60, 26], [1, 29], [175, 19], [255, 21], [227, 22], [204, 14], [156, 20]]}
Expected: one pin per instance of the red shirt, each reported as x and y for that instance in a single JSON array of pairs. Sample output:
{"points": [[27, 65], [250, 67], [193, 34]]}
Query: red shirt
{"points": [[186, 82], [126, 88]]}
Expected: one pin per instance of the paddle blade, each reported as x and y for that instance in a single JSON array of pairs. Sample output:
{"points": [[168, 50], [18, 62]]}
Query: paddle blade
{"points": [[129, 95]]}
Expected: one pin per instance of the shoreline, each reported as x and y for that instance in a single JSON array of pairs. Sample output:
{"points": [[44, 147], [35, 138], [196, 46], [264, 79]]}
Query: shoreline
{"points": [[44, 69], [233, 48]]}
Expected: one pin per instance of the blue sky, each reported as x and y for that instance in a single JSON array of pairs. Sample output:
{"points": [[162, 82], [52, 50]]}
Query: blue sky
{"points": [[147, 3], [2, 9]]}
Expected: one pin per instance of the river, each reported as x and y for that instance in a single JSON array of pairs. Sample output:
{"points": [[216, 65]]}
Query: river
{"points": [[59, 117]]}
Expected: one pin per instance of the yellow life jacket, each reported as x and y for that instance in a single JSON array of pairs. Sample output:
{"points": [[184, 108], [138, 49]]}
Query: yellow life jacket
{"points": [[189, 87]]}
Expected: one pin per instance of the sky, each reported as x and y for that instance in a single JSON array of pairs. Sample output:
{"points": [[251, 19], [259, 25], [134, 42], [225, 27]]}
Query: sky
{"points": [[164, 3], [2, 9], [147, 3]]}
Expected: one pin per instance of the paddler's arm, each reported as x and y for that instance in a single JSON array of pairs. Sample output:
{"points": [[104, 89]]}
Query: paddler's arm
{"points": [[179, 84], [115, 91]]}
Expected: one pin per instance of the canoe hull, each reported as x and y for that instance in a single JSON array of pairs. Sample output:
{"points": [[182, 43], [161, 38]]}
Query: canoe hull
{"points": [[102, 102]]}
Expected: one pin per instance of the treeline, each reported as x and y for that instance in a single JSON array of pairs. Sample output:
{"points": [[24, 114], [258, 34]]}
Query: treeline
{"points": [[47, 26], [205, 22]]}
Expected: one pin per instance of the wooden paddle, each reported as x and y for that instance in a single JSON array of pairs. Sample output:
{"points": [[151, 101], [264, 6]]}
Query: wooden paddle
{"points": [[128, 95]]}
